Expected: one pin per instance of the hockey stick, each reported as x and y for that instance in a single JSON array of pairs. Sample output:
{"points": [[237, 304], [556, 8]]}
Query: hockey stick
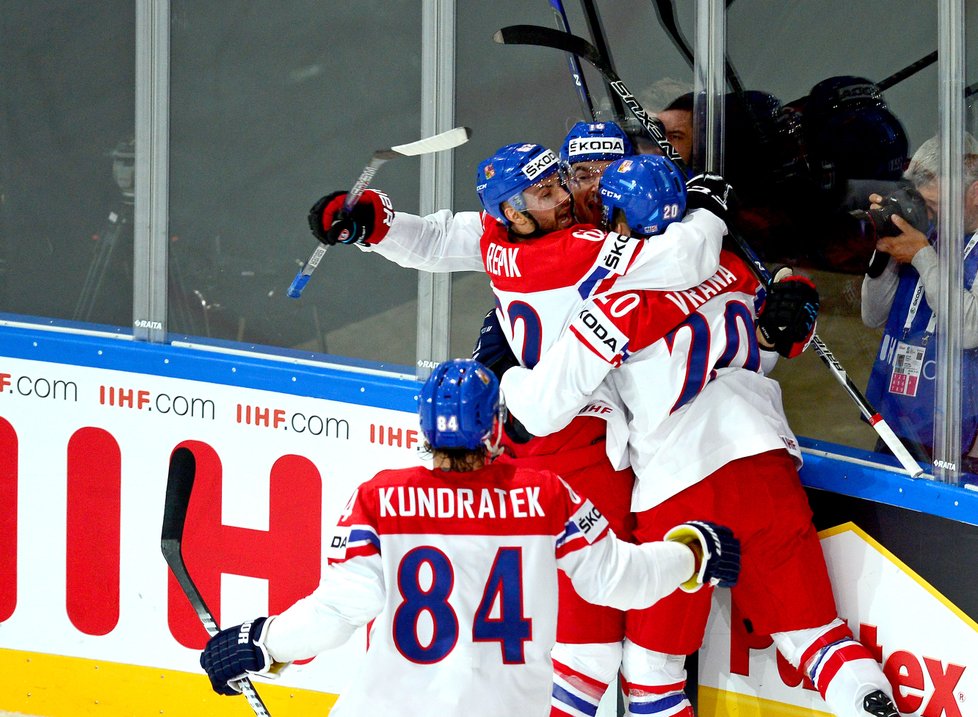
{"points": [[596, 29], [666, 12], [436, 143], [179, 485], [577, 73], [546, 37], [911, 69]]}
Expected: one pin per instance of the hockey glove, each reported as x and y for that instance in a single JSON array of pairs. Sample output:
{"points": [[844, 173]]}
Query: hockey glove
{"points": [[712, 193], [717, 553], [367, 223], [492, 349], [233, 653], [786, 319]]}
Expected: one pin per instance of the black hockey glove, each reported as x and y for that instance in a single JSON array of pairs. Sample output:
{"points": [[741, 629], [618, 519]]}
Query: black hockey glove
{"points": [[712, 193], [717, 552], [367, 223], [233, 653], [787, 318], [492, 349]]}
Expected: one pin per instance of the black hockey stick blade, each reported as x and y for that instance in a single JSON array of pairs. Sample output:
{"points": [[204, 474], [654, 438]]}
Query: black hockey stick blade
{"points": [[550, 37], [547, 37], [179, 486]]}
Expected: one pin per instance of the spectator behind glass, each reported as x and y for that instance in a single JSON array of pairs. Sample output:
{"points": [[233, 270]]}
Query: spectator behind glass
{"points": [[902, 382]]}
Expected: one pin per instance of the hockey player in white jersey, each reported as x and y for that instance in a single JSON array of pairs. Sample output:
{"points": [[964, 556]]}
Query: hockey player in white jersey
{"points": [[456, 565], [528, 231], [706, 432], [541, 264]]}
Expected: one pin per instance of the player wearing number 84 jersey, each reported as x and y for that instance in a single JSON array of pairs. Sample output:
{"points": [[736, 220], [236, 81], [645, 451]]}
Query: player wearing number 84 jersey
{"points": [[457, 567]]}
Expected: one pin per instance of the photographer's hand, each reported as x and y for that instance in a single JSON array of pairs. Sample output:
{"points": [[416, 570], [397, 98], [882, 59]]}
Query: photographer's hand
{"points": [[905, 245]]}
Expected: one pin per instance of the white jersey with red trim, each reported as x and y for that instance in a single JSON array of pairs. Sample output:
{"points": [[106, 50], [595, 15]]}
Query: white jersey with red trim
{"points": [[685, 254], [540, 283], [459, 573], [685, 366]]}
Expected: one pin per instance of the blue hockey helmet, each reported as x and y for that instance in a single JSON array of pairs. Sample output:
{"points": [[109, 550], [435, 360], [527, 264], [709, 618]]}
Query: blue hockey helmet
{"points": [[649, 189], [459, 404], [506, 174], [595, 142]]}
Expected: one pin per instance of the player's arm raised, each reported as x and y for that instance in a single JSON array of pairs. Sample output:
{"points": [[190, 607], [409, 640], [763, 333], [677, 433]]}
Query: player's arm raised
{"points": [[438, 242]]}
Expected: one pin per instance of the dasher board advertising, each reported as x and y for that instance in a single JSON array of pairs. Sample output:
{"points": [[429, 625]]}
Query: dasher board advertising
{"points": [[90, 619], [908, 595]]}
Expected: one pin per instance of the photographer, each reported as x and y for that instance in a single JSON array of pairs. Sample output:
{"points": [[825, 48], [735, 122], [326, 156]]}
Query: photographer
{"points": [[900, 293]]}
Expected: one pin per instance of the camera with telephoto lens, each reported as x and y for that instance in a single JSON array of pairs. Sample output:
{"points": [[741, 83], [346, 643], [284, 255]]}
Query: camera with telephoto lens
{"points": [[905, 202]]}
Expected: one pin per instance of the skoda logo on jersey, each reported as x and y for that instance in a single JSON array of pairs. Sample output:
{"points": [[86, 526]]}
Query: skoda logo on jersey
{"points": [[596, 145], [539, 164]]}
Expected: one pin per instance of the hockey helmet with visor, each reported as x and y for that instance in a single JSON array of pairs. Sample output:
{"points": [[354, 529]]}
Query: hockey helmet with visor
{"points": [[648, 189], [515, 169], [595, 141]]}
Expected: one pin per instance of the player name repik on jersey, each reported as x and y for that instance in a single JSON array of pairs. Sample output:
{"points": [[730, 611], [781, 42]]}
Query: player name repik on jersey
{"points": [[477, 504]]}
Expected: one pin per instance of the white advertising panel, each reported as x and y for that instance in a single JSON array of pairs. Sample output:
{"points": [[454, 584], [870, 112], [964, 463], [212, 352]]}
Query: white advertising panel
{"points": [[83, 467], [928, 647]]}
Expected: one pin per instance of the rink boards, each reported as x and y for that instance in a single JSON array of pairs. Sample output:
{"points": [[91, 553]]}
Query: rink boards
{"points": [[90, 621]]}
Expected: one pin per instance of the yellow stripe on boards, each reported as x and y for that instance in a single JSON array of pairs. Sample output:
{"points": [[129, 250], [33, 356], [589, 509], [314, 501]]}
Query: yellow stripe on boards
{"points": [[723, 703], [56, 686]]}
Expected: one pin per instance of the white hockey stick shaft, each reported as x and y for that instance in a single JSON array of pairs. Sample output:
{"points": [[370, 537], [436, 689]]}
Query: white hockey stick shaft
{"points": [[877, 421], [436, 143]]}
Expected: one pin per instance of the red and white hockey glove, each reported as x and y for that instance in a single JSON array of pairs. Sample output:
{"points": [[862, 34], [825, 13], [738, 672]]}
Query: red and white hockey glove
{"points": [[367, 223], [717, 553], [786, 319]]}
